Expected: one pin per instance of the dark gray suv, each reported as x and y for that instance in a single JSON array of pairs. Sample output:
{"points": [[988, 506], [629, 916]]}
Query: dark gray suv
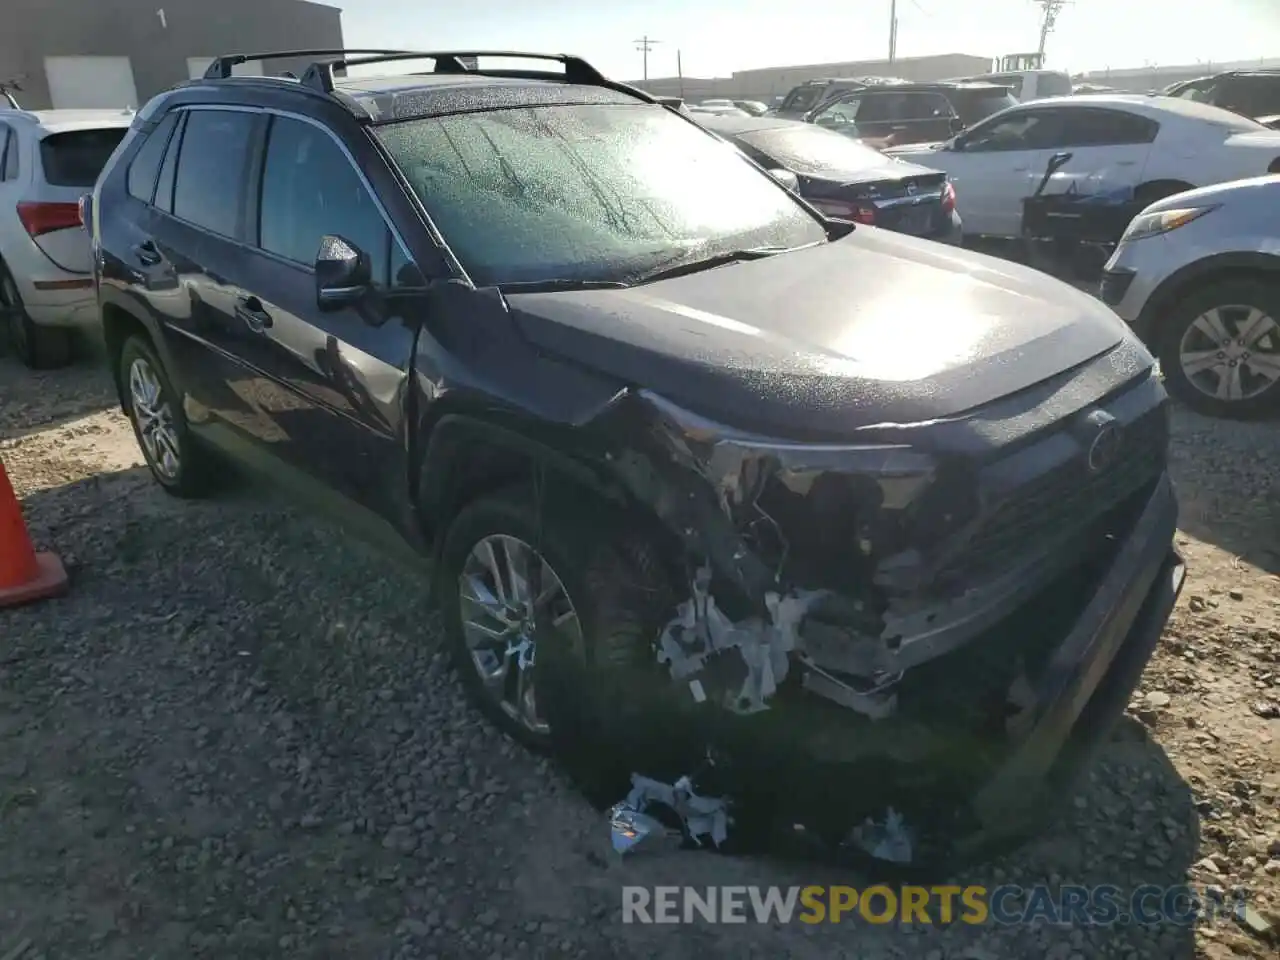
{"points": [[697, 469]]}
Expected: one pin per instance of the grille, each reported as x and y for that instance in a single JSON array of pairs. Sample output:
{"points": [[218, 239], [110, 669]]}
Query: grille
{"points": [[1062, 501]]}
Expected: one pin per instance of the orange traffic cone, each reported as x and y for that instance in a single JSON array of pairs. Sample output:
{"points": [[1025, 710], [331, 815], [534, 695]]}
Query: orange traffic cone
{"points": [[25, 575]]}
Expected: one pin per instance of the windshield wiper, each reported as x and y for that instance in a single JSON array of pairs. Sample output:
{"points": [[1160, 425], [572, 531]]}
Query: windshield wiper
{"points": [[715, 260], [559, 283]]}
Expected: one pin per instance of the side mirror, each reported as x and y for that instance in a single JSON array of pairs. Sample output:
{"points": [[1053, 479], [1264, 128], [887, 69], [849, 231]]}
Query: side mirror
{"points": [[956, 124], [786, 178], [343, 274]]}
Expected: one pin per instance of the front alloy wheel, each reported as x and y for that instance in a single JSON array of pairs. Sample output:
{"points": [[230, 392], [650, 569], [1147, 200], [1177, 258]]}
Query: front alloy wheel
{"points": [[1221, 349], [507, 591], [1231, 353]]}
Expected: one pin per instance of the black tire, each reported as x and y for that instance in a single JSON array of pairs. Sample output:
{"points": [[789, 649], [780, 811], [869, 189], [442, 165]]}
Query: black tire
{"points": [[196, 472], [622, 599], [1260, 294], [38, 347]]}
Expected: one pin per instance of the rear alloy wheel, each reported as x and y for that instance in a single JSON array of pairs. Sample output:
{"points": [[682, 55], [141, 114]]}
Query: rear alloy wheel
{"points": [[177, 464], [1221, 350], [40, 348]]}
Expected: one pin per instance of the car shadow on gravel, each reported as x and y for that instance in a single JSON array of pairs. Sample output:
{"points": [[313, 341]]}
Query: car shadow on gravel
{"points": [[32, 401], [1227, 475], [237, 736]]}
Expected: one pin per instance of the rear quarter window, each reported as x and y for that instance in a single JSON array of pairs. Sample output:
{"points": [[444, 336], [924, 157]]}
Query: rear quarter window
{"points": [[74, 158]]}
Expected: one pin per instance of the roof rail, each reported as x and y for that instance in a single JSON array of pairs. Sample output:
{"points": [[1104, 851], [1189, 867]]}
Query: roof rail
{"points": [[220, 68], [576, 70]]}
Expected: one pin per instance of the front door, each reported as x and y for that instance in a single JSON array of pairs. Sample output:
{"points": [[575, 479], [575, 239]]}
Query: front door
{"points": [[997, 164], [1109, 150], [336, 377]]}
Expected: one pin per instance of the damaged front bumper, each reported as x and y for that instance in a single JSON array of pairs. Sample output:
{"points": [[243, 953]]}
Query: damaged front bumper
{"points": [[915, 663]]}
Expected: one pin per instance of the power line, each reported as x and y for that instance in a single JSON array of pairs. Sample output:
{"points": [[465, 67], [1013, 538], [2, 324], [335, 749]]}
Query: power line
{"points": [[644, 45]]}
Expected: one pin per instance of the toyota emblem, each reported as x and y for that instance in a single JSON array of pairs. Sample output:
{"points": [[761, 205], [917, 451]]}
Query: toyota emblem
{"points": [[1105, 448]]}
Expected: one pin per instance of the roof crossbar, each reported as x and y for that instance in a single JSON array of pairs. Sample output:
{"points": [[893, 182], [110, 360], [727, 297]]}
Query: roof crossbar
{"points": [[320, 75], [221, 67]]}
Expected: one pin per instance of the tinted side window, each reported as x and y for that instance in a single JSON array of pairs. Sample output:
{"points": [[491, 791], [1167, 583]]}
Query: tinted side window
{"points": [[145, 168], [8, 153], [1022, 130], [164, 187], [803, 97], [309, 189], [922, 106], [211, 167], [1097, 128], [840, 113], [1252, 96], [877, 106]]}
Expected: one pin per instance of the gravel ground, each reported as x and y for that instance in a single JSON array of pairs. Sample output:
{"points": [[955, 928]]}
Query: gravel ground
{"points": [[236, 737]]}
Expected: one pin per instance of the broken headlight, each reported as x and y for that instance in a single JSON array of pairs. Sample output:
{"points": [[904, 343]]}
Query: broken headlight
{"points": [[819, 513]]}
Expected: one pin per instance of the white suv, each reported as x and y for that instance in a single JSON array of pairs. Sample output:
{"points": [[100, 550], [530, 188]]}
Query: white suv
{"points": [[1197, 276], [48, 159]]}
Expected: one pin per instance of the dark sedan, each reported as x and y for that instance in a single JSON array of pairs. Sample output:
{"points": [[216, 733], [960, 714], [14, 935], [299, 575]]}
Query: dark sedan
{"points": [[847, 179]]}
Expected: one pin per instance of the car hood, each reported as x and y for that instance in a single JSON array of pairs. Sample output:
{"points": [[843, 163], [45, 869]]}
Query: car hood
{"points": [[875, 328], [1264, 190]]}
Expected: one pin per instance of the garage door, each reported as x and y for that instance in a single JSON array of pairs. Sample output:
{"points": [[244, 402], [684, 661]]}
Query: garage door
{"points": [[196, 66], [91, 82]]}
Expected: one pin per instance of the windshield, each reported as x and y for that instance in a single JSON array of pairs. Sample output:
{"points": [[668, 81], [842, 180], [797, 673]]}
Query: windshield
{"points": [[803, 97], [76, 157], [588, 192], [811, 150]]}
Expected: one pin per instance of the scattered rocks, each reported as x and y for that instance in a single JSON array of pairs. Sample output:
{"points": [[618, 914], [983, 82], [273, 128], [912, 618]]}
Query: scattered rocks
{"points": [[240, 719]]}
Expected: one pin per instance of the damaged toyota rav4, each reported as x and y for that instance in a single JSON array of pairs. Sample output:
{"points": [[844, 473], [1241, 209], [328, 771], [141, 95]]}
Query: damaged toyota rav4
{"points": [[867, 521]]}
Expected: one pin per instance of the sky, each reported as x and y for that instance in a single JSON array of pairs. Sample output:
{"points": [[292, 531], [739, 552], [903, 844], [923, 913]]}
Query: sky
{"points": [[716, 37]]}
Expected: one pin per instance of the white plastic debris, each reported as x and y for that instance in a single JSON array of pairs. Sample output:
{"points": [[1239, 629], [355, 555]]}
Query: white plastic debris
{"points": [[701, 630], [888, 841], [523, 653], [702, 816], [631, 827]]}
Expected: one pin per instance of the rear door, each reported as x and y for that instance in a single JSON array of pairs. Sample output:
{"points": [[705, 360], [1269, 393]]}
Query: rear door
{"points": [[335, 376], [198, 234], [1109, 150]]}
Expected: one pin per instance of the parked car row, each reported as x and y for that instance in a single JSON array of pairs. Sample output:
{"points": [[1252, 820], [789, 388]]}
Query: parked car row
{"points": [[676, 441]]}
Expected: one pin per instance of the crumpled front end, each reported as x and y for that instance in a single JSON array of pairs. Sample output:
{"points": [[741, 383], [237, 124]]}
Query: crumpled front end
{"points": [[904, 594]]}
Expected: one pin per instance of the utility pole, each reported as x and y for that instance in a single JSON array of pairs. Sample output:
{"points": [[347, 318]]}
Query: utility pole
{"points": [[644, 45], [1049, 10], [893, 30]]}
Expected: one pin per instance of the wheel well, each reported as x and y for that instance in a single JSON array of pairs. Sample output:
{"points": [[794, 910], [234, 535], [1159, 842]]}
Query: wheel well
{"points": [[118, 325], [1154, 190], [1179, 288], [462, 465]]}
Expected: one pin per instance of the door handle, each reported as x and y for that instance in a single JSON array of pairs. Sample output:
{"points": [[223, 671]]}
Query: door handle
{"points": [[249, 310], [147, 253], [1126, 163]]}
